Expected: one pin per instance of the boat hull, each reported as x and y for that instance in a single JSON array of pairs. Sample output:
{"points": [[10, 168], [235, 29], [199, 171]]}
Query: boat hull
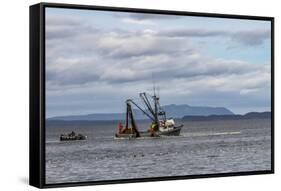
{"points": [[72, 138], [173, 132]]}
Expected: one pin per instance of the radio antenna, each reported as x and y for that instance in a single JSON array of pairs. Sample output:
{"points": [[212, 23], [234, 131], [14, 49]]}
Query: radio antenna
{"points": [[153, 82]]}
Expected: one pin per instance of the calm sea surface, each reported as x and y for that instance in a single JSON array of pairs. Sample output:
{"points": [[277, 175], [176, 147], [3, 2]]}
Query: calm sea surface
{"points": [[203, 148]]}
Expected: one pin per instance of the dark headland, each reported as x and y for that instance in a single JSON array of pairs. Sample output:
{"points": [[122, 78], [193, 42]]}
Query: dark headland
{"points": [[184, 112]]}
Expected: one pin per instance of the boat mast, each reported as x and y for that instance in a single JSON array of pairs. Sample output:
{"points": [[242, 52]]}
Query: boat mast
{"points": [[155, 99]]}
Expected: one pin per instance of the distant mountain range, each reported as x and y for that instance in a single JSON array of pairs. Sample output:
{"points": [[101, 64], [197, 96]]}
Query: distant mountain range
{"points": [[250, 115], [175, 111]]}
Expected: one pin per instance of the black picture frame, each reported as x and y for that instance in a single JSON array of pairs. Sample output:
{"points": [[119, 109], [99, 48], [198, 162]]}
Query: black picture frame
{"points": [[37, 93]]}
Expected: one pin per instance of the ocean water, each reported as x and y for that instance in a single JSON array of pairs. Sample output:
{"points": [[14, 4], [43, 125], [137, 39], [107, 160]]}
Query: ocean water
{"points": [[203, 148]]}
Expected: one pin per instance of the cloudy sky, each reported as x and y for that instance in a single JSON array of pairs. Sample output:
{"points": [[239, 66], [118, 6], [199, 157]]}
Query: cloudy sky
{"points": [[95, 60]]}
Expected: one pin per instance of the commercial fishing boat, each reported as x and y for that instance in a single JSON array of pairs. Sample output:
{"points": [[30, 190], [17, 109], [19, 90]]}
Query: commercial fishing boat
{"points": [[160, 125]]}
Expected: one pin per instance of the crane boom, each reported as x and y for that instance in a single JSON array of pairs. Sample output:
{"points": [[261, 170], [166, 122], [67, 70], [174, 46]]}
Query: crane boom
{"points": [[144, 112], [147, 103]]}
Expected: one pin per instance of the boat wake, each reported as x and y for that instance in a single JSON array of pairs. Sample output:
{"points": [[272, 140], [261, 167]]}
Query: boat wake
{"points": [[210, 134], [183, 135]]}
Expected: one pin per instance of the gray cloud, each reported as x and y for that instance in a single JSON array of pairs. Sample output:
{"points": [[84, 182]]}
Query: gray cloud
{"points": [[249, 37], [87, 64], [61, 27], [252, 37], [140, 44], [193, 33], [116, 58], [62, 20], [66, 27], [147, 16]]}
